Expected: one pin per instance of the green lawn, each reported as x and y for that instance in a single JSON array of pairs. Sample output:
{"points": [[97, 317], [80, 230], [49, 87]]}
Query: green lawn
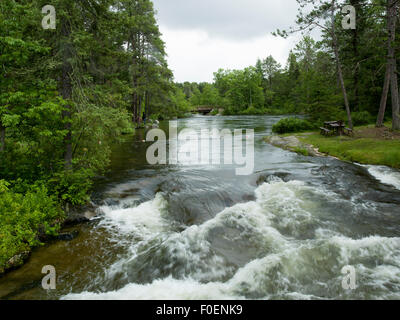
{"points": [[361, 150]]}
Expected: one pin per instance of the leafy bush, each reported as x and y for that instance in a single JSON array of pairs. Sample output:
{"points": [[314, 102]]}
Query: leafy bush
{"points": [[23, 218], [276, 111], [228, 111], [185, 115], [72, 187], [288, 125], [262, 111], [361, 118], [252, 111]]}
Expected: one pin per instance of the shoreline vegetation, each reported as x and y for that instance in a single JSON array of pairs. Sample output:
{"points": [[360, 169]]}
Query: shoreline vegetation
{"points": [[369, 145], [68, 94]]}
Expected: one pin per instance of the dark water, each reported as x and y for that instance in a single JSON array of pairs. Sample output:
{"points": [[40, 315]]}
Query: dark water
{"points": [[202, 232]]}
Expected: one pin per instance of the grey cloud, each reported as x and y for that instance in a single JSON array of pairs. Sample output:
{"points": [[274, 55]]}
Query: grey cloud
{"points": [[235, 19]]}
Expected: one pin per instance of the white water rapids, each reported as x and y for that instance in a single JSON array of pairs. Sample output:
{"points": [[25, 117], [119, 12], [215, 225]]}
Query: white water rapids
{"points": [[283, 266], [190, 231], [385, 175]]}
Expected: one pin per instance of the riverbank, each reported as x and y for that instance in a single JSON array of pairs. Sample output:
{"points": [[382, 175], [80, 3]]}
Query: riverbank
{"points": [[369, 145], [199, 225], [293, 143], [36, 229]]}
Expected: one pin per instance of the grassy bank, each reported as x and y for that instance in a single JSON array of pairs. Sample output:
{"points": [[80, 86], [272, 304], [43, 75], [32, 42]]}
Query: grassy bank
{"points": [[366, 151], [370, 145]]}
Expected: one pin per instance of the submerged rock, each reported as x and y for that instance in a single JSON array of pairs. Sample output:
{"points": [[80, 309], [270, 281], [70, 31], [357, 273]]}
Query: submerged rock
{"points": [[67, 236], [284, 176], [83, 215], [16, 261], [74, 219]]}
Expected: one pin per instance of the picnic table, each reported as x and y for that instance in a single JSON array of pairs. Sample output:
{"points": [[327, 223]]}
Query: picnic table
{"points": [[335, 128]]}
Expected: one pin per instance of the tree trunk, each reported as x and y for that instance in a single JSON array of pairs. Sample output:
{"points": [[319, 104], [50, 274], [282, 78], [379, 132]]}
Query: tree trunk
{"points": [[140, 109], [356, 76], [135, 98], [2, 137], [134, 106], [389, 62], [66, 91], [356, 72], [382, 108], [148, 105], [394, 92], [346, 100], [339, 67], [395, 100]]}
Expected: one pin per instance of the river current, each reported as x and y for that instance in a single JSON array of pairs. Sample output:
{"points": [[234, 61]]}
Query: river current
{"points": [[202, 232]]}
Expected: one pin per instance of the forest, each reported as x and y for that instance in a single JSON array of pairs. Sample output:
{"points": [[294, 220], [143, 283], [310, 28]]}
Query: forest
{"points": [[68, 94], [311, 80]]}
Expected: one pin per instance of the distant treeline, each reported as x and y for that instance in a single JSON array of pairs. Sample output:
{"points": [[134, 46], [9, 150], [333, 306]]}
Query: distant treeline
{"points": [[310, 81]]}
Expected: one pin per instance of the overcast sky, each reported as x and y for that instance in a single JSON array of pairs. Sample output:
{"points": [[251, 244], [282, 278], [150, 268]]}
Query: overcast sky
{"points": [[204, 35]]}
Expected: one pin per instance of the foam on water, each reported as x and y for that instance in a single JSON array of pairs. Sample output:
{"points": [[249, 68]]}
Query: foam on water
{"points": [[386, 175], [165, 289], [243, 252], [143, 220]]}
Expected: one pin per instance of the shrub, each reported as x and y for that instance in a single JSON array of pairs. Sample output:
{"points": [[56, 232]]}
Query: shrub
{"points": [[23, 219], [276, 111], [288, 125], [72, 187], [361, 118], [252, 111], [228, 111], [185, 115]]}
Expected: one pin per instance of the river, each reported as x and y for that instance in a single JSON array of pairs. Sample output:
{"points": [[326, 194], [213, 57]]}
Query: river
{"points": [[202, 232]]}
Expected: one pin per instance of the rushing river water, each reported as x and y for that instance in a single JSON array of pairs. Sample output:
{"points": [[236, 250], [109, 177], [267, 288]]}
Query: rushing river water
{"points": [[201, 232]]}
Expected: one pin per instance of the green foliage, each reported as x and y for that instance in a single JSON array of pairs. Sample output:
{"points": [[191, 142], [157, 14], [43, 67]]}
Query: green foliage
{"points": [[241, 88], [208, 96], [289, 125], [302, 151], [252, 111], [72, 186], [83, 85], [264, 111], [362, 118], [66, 96], [307, 85], [24, 219], [180, 106]]}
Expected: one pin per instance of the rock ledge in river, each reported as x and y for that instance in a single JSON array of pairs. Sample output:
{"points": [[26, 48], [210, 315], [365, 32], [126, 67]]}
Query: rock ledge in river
{"points": [[292, 143], [16, 261]]}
